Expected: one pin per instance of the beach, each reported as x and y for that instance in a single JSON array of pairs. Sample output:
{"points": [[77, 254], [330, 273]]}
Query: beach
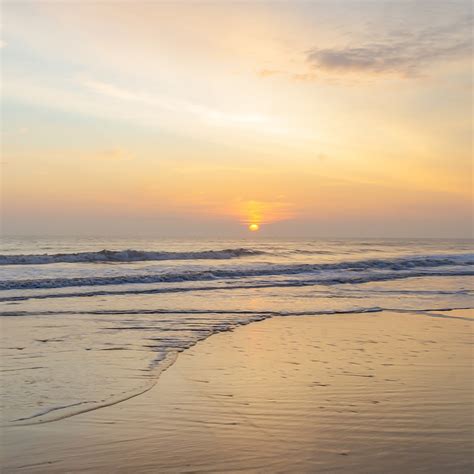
{"points": [[236, 237], [362, 392]]}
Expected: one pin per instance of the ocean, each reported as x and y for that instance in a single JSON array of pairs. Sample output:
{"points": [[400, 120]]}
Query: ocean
{"points": [[90, 322]]}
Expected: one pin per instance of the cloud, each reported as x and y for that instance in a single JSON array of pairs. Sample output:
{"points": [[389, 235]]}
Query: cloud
{"points": [[268, 72], [113, 91], [304, 77], [398, 52], [183, 107]]}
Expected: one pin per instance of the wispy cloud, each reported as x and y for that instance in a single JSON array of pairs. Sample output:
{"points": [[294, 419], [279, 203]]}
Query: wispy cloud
{"points": [[113, 91], [400, 52], [268, 72], [178, 106]]}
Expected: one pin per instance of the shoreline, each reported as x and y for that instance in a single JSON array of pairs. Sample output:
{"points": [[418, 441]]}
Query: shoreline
{"points": [[288, 386], [48, 416]]}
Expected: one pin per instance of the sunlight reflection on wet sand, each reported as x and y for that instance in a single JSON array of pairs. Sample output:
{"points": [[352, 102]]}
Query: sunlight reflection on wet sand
{"points": [[360, 393]]}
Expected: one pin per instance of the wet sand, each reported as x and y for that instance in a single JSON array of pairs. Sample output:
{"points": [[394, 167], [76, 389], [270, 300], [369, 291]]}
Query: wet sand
{"points": [[361, 393]]}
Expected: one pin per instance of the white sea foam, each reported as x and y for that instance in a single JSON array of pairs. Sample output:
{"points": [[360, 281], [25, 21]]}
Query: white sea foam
{"points": [[359, 271]]}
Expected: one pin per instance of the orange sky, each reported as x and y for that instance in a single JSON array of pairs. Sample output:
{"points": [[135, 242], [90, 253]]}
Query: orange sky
{"points": [[200, 119]]}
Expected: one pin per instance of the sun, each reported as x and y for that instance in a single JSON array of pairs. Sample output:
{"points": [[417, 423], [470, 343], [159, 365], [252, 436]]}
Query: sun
{"points": [[254, 227]]}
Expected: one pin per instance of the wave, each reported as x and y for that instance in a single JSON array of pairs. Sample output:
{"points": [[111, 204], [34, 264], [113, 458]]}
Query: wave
{"points": [[375, 270], [215, 311], [257, 285], [123, 256]]}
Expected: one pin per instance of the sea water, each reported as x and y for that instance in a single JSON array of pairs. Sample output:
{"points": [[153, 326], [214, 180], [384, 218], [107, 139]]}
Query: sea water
{"points": [[90, 322]]}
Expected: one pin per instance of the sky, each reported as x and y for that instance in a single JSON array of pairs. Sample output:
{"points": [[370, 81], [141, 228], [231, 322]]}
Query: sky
{"points": [[309, 119]]}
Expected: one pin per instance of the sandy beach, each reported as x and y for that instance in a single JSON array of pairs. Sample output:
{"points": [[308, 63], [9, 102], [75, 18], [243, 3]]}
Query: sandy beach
{"points": [[362, 393], [236, 237]]}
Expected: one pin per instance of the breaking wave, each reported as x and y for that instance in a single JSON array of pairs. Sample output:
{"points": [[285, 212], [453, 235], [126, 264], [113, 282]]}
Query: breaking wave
{"points": [[360, 271], [124, 256]]}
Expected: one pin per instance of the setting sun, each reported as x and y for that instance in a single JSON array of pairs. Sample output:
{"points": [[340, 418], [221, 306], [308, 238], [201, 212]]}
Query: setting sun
{"points": [[254, 227]]}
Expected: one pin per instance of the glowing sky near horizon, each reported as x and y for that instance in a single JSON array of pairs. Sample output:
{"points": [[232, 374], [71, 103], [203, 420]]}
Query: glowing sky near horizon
{"points": [[307, 119]]}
